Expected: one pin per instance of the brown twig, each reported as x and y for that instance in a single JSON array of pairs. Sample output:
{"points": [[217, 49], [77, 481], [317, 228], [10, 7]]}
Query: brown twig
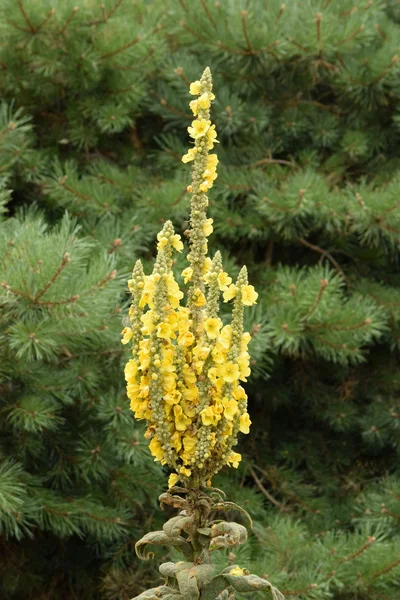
{"points": [[323, 284], [327, 255], [243, 16], [70, 18], [121, 49], [387, 568], [364, 547], [207, 11], [265, 492], [27, 20], [64, 262]]}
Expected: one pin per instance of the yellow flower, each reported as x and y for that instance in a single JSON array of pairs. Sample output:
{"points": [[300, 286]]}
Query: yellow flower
{"points": [[194, 107], [249, 295], [212, 325], [223, 280], [229, 372], [204, 101], [186, 339], [230, 293], [234, 459], [203, 187], [239, 393], [131, 369], [176, 242], [245, 423], [243, 362], [156, 448], [207, 227], [199, 299], [236, 571], [164, 331], [201, 352], [246, 338], [185, 471], [209, 417], [190, 393], [230, 408], [181, 420], [173, 478], [195, 88], [199, 128], [147, 320], [188, 375], [211, 137], [191, 153], [187, 274], [176, 441], [212, 374], [212, 161], [189, 444], [127, 334], [207, 265]]}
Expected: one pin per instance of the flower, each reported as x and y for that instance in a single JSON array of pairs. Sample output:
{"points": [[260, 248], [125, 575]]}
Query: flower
{"points": [[173, 478], [185, 471], [156, 449], [203, 187], [176, 242], [236, 571], [199, 299], [229, 372], [230, 293], [204, 101], [234, 459], [207, 227], [194, 107], [199, 128], [211, 137], [191, 153], [164, 331], [195, 88], [245, 423], [209, 417], [249, 295], [131, 369], [212, 325], [186, 339], [181, 420], [127, 334], [187, 274], [224, 280], [230, 408]]}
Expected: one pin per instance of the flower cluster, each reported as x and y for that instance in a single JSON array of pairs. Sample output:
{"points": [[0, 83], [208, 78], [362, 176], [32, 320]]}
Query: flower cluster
{"points": [[187, 368]]}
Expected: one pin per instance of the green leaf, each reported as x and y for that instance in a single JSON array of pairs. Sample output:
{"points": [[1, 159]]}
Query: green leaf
{"points": [[226, 505]]}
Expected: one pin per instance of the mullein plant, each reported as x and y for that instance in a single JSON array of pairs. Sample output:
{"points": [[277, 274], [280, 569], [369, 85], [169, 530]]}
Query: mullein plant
{"points": [[184, 380]]}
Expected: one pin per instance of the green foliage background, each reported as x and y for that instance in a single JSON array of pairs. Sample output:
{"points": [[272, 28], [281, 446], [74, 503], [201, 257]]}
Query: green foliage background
{"points": [[93, 124]]}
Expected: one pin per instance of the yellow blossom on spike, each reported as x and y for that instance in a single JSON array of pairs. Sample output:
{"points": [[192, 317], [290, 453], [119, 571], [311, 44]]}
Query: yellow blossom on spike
{"points": [[203, 187], [199, 299], [195, 88], [186, 339], [229, 372], [245, 423], [199, 128], [156, 449], [204, 101], [211, 137], [207, 227], [230, 408], [194, 107], [191, 153], [224, 280], [209, 417], [131, 369], [173, 478], [185, 471], [230, 293], [164, 331], [249, 295], [212, 325], [176, 242], [127, 334], [181, 420], [187, 274], [234, 459]]}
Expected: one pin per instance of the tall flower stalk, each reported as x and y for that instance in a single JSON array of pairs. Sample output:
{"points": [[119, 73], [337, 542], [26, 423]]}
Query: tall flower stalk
{"points": [[184, 379]]}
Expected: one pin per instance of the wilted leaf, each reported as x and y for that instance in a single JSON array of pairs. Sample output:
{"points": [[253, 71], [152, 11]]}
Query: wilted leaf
{"points": [[163, 591], [213, 588], [226, 535], [174, 526], [232, 506], [252, 583], [159, 538]]}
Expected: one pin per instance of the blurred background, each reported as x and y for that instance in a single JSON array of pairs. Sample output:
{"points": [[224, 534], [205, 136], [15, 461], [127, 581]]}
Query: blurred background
{"points": [[93, 118]]}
